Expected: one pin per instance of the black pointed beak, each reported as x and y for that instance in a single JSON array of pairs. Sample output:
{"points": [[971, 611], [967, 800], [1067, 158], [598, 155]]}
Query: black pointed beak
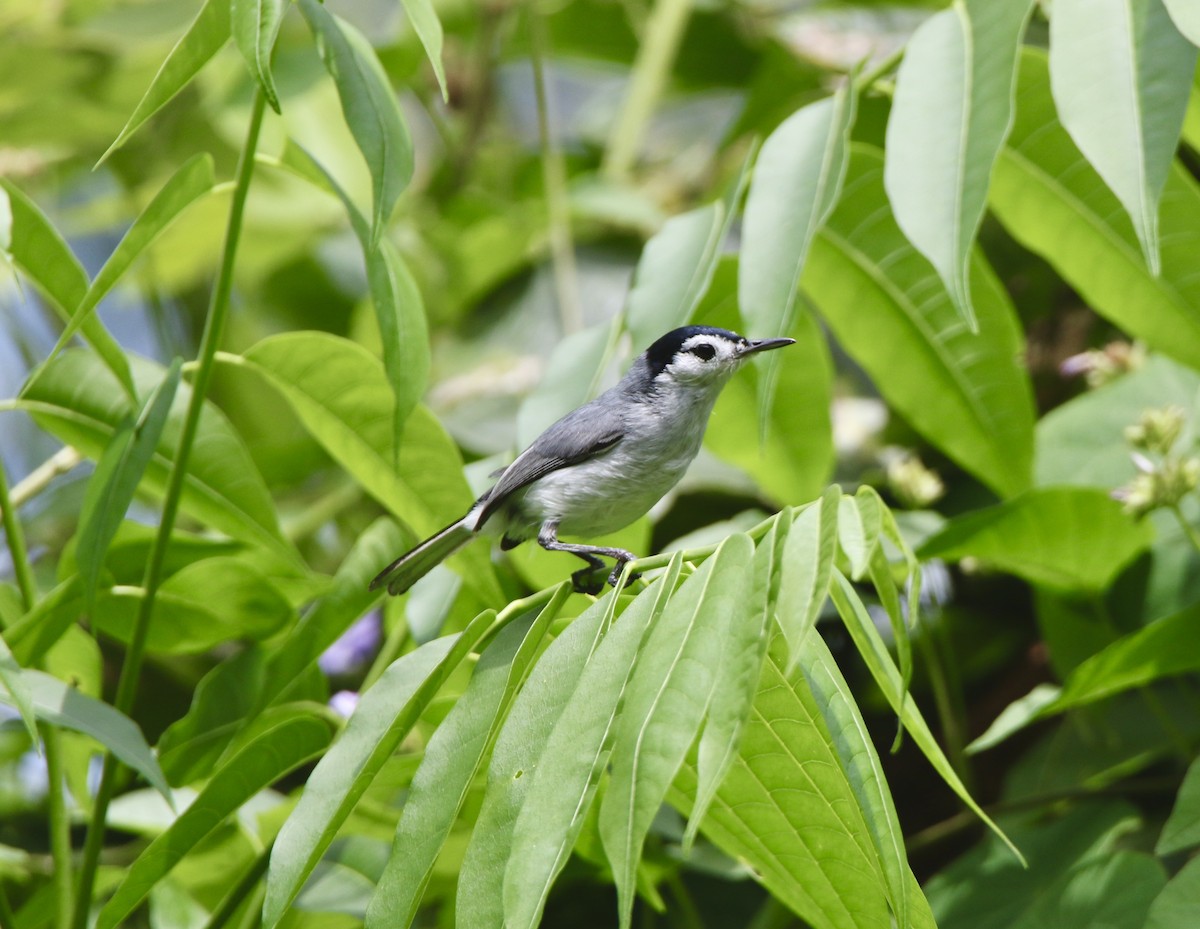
{"points": [[764, 345]]}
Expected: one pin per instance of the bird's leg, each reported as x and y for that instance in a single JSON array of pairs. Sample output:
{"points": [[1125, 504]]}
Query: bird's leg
{"points": [[583, 579]]}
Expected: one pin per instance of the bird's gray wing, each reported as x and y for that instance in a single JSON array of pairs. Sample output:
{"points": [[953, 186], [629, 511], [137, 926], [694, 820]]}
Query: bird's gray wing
{"points": [[576, 437]]}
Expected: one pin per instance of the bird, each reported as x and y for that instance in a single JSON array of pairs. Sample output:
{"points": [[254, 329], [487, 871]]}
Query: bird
{"points": [[601, 466]]}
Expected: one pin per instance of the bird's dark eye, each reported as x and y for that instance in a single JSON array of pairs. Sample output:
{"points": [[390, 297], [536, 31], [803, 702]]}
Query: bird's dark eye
{"points": [[703, 351]]}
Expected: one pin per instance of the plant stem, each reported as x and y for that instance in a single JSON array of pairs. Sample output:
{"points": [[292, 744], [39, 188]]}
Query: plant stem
{"points": [[660, 42], [16, 544], [554, 174], [881, 69], [62, 461], [234, 899], [1188, 529], [60, 827], [214, 328]]}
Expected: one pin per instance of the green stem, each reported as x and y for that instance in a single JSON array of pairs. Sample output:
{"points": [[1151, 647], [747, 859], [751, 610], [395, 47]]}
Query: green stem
{"points": [[16, 545], [1188, 529], [881, 69], [64, 460], [655, 57], [60, 827], [554, 174], [943, 700], [214, 328]]}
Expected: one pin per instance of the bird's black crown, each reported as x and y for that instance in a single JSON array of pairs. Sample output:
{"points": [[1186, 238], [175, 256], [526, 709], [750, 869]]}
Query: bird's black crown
{"points": [[659, 355]]}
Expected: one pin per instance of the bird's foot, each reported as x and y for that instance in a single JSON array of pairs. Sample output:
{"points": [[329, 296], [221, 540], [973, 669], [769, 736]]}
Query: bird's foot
{"points": [[615, 578], [587, 581]]}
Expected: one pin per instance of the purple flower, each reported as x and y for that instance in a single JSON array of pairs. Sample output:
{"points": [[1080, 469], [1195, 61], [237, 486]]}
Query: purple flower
{"points": [[343, 702], [354, 648]]}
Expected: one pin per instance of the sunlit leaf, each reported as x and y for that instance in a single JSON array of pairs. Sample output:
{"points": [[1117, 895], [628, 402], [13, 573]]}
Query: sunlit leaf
{"points": [[517, 753], [951, 112], [1055, 204], [78, 401], [1036, 536], [806, 568], [564, 781], [203, 39], [428, 27], [1016, 716], [859, 523], [967, 393], [255, 25], [118, 473], [340, 392], [1182, 829], [453, 756], [1121, 74], [668, 696], [1176, 906], [60, 704], [258, 765], [369, 106], [797, 180], [41, 253], [1186, 16], [384, 715], [885, 673], [16, 690], [862, 767]]}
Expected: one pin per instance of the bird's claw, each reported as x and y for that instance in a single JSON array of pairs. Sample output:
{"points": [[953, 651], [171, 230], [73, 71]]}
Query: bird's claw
{"points": [[585, 581], [615, 578]]}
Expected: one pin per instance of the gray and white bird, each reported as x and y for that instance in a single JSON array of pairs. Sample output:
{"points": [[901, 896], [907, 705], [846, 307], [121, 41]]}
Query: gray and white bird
{"points": [[602, 465]]}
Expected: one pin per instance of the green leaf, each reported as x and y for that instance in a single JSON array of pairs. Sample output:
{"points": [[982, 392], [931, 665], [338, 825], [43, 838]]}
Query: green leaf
{"points": [[1179, 902], [340, 392], [369, 106], [118, 474], [255, 26], [797, 181], [62, 705], [1078, 876], [185, 187], [15, 691], [202, 605], [39, 251], [570, 380], [6, 223], [787, 809], [737, 675], [807, 566], [859, 523], [951, 112], [673, 273], [384, 715], [968, 394], [1016, 716], [1186, 16], [453, 757], [794, 460], [428, 28], [862, 767], [77, 400], [563, 783], [518, 752], [1055, 204], [1181, 831], [206, 35], [669, 694], [259, 764], [1121, 73], [1036, 536], [879, 662]]}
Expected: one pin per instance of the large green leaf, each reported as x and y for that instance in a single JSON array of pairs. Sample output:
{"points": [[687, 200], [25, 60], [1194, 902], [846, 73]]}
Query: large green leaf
{"points": [[518, 751], [951, 112], [255, 25], [340, 392], [384, 715], [453, 757], [967, 393], [1121, 74], [203, 39], [78, 401], [1179, 902], [370, 107], [788, 810], [118, 473], [669, 694], [258, 765], [62, 705], [1037, 536], [566, 777], [39, 251], [1054, 203], [797, 180]]}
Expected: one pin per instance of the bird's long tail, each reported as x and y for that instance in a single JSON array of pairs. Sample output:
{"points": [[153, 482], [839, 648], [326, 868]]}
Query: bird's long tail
{"points": [[413, 565]]}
